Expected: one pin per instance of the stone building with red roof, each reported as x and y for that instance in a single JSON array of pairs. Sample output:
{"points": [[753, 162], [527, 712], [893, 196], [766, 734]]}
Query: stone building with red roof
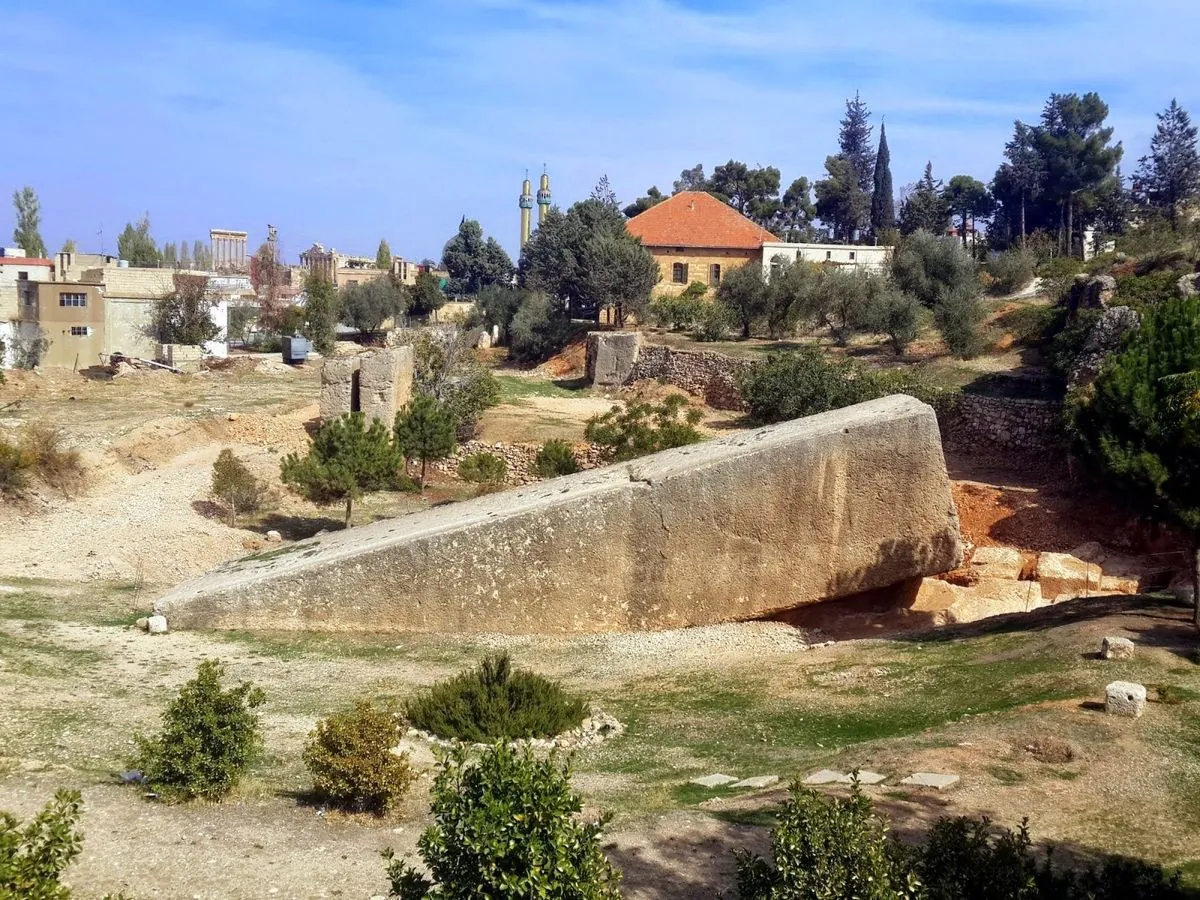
{"points": [[693, 236]]}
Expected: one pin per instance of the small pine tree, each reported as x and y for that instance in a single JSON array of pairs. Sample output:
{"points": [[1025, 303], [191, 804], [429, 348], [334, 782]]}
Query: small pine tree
{"points": [[506, 826], [555, 458], [425, 430], [639, 428], [235, 485], [346, 459], [209, 738]]}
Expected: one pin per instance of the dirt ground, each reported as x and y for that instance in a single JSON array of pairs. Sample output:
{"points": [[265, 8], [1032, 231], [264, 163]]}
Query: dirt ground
{"points": [[76, 680]]}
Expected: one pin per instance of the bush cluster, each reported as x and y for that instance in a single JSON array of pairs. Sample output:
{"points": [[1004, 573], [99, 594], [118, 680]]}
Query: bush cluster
{"points": [[638, 427], [713, 322], [210, 736], [495, 701], [555, 458], [804, 382], [506, 826], [838, 847], [38, 451], [235, 486], [682, 311], [483, 468], [350, 758], [539, 329], [1010, 271]]}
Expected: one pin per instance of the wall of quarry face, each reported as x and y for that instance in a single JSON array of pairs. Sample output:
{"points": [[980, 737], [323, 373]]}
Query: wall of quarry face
{"points": [[731, 529]]}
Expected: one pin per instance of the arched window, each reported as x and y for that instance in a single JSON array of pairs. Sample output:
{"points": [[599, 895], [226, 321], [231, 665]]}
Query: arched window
{"points": [[679, 273]]}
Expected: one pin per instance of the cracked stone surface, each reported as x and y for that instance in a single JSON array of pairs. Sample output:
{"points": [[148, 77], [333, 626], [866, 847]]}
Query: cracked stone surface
{"points": [[936, 780]]}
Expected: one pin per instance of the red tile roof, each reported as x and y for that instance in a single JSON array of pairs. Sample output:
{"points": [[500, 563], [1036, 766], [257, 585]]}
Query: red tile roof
{"points": [[24, 261], [697, 219]]}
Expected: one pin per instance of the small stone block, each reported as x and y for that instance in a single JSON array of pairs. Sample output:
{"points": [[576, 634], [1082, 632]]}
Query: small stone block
{"points": [[935, 780], [274, 537], [1125, 698], [758, 781], [867, 778], [1116, 648], [158, 625], [713, 781], [825, 776]]}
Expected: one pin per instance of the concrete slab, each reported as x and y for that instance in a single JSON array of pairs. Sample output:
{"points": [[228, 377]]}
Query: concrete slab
{"points": [[935, 780], [713, 781], [867, 778], [758, 782], [825, 776]]}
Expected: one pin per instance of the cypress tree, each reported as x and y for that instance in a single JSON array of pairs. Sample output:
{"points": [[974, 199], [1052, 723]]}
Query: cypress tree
{"points": [[883, 204]]}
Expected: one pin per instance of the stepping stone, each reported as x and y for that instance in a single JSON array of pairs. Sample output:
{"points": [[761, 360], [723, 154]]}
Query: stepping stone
{"points": [[825, 776], [934, 780], [713, 781], [863, 778], [758, 781]]}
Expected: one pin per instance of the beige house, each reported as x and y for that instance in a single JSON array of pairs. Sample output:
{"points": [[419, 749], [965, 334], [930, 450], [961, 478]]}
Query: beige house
{"points": [[71, 318]]}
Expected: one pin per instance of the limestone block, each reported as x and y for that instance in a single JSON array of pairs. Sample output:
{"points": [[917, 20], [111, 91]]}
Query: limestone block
{"points": [[994, 597], [611, 357], [1062, 574], [1092, 552], [936, 780], [339, 378], [825, 776], [385, 381], [730, 529], [997, 562], [1116, 648], [713, 781], [156, 624], [934, 595], [1125, 698]]}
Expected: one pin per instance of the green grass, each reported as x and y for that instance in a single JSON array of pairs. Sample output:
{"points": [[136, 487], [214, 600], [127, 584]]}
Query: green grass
{"points": [[515, 389]]}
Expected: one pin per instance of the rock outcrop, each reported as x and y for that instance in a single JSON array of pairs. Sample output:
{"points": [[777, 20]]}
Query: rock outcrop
{"points": [[735, 528], [1105, 338]]}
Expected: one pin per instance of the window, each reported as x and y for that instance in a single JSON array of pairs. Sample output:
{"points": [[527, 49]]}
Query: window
{"points": [[72, 299], [22, 276], [714, 274], [776, 267], [679, 273], [829, 254], [851, 256], [80, 331]]}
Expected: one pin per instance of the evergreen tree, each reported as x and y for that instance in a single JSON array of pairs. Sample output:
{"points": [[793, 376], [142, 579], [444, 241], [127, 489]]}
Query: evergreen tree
{"points": [[137, 246], [1141, 424], [1170, 175], [854, 139], [752, 192], [345, 459], [883, 203], [170, 256], [68, 246], [185, 259], [841, 203], [794, 217], [201, 258], [27, 234], [321, 313], [925, 208], [425, 430], [604, 193], [1022, 171], [426, 295], [474, 263], [653, 197], [691, 180], [383, 257], [969, 199]]}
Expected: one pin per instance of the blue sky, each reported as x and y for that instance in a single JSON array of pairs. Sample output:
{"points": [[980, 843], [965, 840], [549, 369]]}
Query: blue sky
{"points": [[345, 122]]}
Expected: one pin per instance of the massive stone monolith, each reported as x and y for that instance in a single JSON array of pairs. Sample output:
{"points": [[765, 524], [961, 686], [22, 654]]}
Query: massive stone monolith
{"points": [[733, 528]]}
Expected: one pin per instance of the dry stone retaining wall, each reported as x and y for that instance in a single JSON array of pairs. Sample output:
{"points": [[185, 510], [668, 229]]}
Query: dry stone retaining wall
{"points": [[1012, 423], [519, 457], [730, 529]]}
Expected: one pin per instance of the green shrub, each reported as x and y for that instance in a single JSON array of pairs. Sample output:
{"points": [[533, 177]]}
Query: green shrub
{"points": [[446, 368], [506, 827], [33, 857], [713, 322], [801, 382], [235, 485], [555, 458], [959, 317], [539, 329], [1011, 271], [678, 313], [1146, 290], [350, 758], [835, 848], [495, 701], [898, 315], [1058, 275], [15, 464], [638, 428], [483, 468], [209, 738]]}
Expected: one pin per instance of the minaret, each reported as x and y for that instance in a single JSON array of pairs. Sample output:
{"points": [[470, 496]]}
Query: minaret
{"points": [[543, 197], [526, 203]]}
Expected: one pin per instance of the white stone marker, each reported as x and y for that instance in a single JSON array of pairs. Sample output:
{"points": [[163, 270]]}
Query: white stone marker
{"points": [[1125, 698], [713, 781], [1116, 648]]}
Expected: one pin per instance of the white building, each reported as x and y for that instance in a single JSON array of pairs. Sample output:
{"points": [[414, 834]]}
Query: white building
{"points": [[18, 275], [850, 256]]}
